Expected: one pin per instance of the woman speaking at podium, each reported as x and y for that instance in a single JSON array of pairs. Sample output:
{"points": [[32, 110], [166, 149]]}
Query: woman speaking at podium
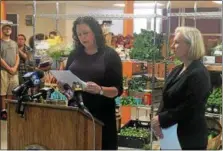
{"points": [[100, 66]]}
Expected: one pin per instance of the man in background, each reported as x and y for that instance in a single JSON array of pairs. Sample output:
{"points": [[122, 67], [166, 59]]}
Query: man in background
{"points": [[9, 62], [24, 55]]}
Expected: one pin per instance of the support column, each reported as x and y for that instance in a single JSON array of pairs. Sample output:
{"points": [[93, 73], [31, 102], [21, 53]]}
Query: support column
{"points": [[2, 8], [128, 23], [3, 14]]}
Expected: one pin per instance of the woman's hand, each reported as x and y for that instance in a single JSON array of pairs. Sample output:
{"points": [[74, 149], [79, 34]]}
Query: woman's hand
{"points": [[156, 127], [93, 88]]}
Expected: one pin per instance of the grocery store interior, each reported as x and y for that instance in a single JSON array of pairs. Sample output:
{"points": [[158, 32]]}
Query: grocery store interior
{"points": [[141, 32]]}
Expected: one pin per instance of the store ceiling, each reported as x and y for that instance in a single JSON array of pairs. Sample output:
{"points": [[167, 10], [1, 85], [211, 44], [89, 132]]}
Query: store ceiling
{"points": [[109, 4]]}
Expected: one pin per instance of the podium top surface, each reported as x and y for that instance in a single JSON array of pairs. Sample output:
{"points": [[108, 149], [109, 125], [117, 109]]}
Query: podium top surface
{"points": [[53, 106]]}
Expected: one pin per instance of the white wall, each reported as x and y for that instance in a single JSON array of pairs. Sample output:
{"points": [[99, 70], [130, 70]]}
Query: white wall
{"points": [[116, 28], [43, 25], [147, 23]]}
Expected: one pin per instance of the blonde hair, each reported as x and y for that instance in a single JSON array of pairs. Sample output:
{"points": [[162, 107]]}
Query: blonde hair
{"points": [[194, 38]]}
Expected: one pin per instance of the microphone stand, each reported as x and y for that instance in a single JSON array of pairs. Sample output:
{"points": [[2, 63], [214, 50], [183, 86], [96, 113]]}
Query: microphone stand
{"points": [[77, 88], [23, 97]]}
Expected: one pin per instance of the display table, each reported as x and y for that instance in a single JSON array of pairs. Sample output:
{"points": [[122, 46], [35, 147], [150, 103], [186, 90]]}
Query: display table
{"points": [[51, 127]]}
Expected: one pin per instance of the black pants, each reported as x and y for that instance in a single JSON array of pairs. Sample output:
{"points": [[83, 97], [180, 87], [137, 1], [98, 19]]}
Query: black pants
{"points": [[109, 136]]}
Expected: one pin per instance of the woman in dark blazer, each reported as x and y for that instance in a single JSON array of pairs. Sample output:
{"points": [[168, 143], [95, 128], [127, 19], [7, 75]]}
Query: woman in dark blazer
{"points": [[185, 92]]}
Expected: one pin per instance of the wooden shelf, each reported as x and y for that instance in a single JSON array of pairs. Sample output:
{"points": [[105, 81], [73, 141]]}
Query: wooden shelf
{"points": [[214, 67]]}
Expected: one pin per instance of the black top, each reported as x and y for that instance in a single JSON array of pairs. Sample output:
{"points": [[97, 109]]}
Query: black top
{"points": [[184, 100], [105, 69]]}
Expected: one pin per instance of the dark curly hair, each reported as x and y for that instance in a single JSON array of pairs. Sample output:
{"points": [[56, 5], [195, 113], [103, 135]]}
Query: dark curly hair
{"points": [[96, 29]]}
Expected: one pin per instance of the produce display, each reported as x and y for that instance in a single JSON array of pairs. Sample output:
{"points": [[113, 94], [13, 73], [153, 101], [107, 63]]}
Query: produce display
{"points": [[129, 100], [139, 84], [135, 132], [214, 103], [122, 45], [144, 48], [125, 41]]}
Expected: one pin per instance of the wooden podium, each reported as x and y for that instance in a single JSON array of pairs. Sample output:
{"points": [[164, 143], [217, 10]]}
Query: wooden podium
{"points": [[53, 127]]}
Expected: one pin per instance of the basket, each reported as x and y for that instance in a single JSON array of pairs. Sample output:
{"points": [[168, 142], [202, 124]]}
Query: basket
{"points": [[215, 142], [131, 141]]}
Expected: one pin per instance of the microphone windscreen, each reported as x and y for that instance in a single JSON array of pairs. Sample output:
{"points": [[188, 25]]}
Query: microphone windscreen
{"points": [[40, 74]]}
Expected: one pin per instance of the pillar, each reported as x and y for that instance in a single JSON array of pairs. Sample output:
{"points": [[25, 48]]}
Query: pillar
{"points": [[2, 8], [3, 14], [128, 23]]}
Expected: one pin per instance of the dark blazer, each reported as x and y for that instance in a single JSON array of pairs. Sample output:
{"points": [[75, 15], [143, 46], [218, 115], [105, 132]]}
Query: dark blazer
{"points": [[184, 99]]}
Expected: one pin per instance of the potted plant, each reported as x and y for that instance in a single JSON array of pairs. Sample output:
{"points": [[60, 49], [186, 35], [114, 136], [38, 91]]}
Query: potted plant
{"points": [[125, 108]]}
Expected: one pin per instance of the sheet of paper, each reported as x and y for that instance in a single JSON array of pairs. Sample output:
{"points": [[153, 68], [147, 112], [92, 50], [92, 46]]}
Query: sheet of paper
{"points": [[66, 76], [170, 139]]}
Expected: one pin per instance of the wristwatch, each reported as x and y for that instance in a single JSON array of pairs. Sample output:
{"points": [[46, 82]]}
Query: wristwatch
{"points": [[101, 91]]}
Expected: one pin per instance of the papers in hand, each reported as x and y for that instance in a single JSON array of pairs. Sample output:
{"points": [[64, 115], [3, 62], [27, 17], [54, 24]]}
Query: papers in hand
{"points": [[66, 76], [170, 139]]}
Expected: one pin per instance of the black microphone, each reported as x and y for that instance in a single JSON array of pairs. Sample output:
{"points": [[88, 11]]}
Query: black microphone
{"points": [[32, 80], [77, 88], [21, 91], [44, 92]]}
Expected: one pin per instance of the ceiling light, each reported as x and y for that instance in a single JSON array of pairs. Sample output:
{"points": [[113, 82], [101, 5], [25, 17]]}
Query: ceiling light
{"points": [[139, 4], [218, 2]]}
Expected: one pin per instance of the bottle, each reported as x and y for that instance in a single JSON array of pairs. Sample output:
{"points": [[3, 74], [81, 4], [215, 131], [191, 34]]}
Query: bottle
{"points": [[147, 97]]}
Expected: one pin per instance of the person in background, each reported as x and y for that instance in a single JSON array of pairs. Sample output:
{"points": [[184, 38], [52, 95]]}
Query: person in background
{"points": [[52, 34], [54, 39], [101, 67], [9, 67], [38, 37], [25, 56], [186, 92]]}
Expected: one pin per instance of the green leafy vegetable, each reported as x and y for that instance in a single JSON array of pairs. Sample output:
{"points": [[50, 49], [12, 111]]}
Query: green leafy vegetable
{"points": [[144, 48], [135, 132]]}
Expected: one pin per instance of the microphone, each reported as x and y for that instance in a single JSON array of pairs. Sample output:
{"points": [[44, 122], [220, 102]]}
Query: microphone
{"points": [[44, 92], [74, 94], [65, 89], [77, 88], [32, 80]]}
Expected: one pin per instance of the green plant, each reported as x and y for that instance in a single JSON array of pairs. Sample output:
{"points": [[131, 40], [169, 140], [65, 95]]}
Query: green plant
{"points": [[215, 98], [212, 133], [144, 48], [129, 100], [139, 84], [135, 132], [177, 61], [147, 147]]}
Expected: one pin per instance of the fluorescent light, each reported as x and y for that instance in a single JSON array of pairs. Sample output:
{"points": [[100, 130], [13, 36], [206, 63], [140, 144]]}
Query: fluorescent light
{"points": [[218, 2], [119, 5], [139, 4]]}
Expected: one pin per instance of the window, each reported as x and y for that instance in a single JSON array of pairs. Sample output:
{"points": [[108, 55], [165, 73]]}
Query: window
{"points": [[147, 23]]}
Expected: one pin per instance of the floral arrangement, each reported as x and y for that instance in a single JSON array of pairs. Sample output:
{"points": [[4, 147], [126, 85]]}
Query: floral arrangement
{"points": [[59, 50]]}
